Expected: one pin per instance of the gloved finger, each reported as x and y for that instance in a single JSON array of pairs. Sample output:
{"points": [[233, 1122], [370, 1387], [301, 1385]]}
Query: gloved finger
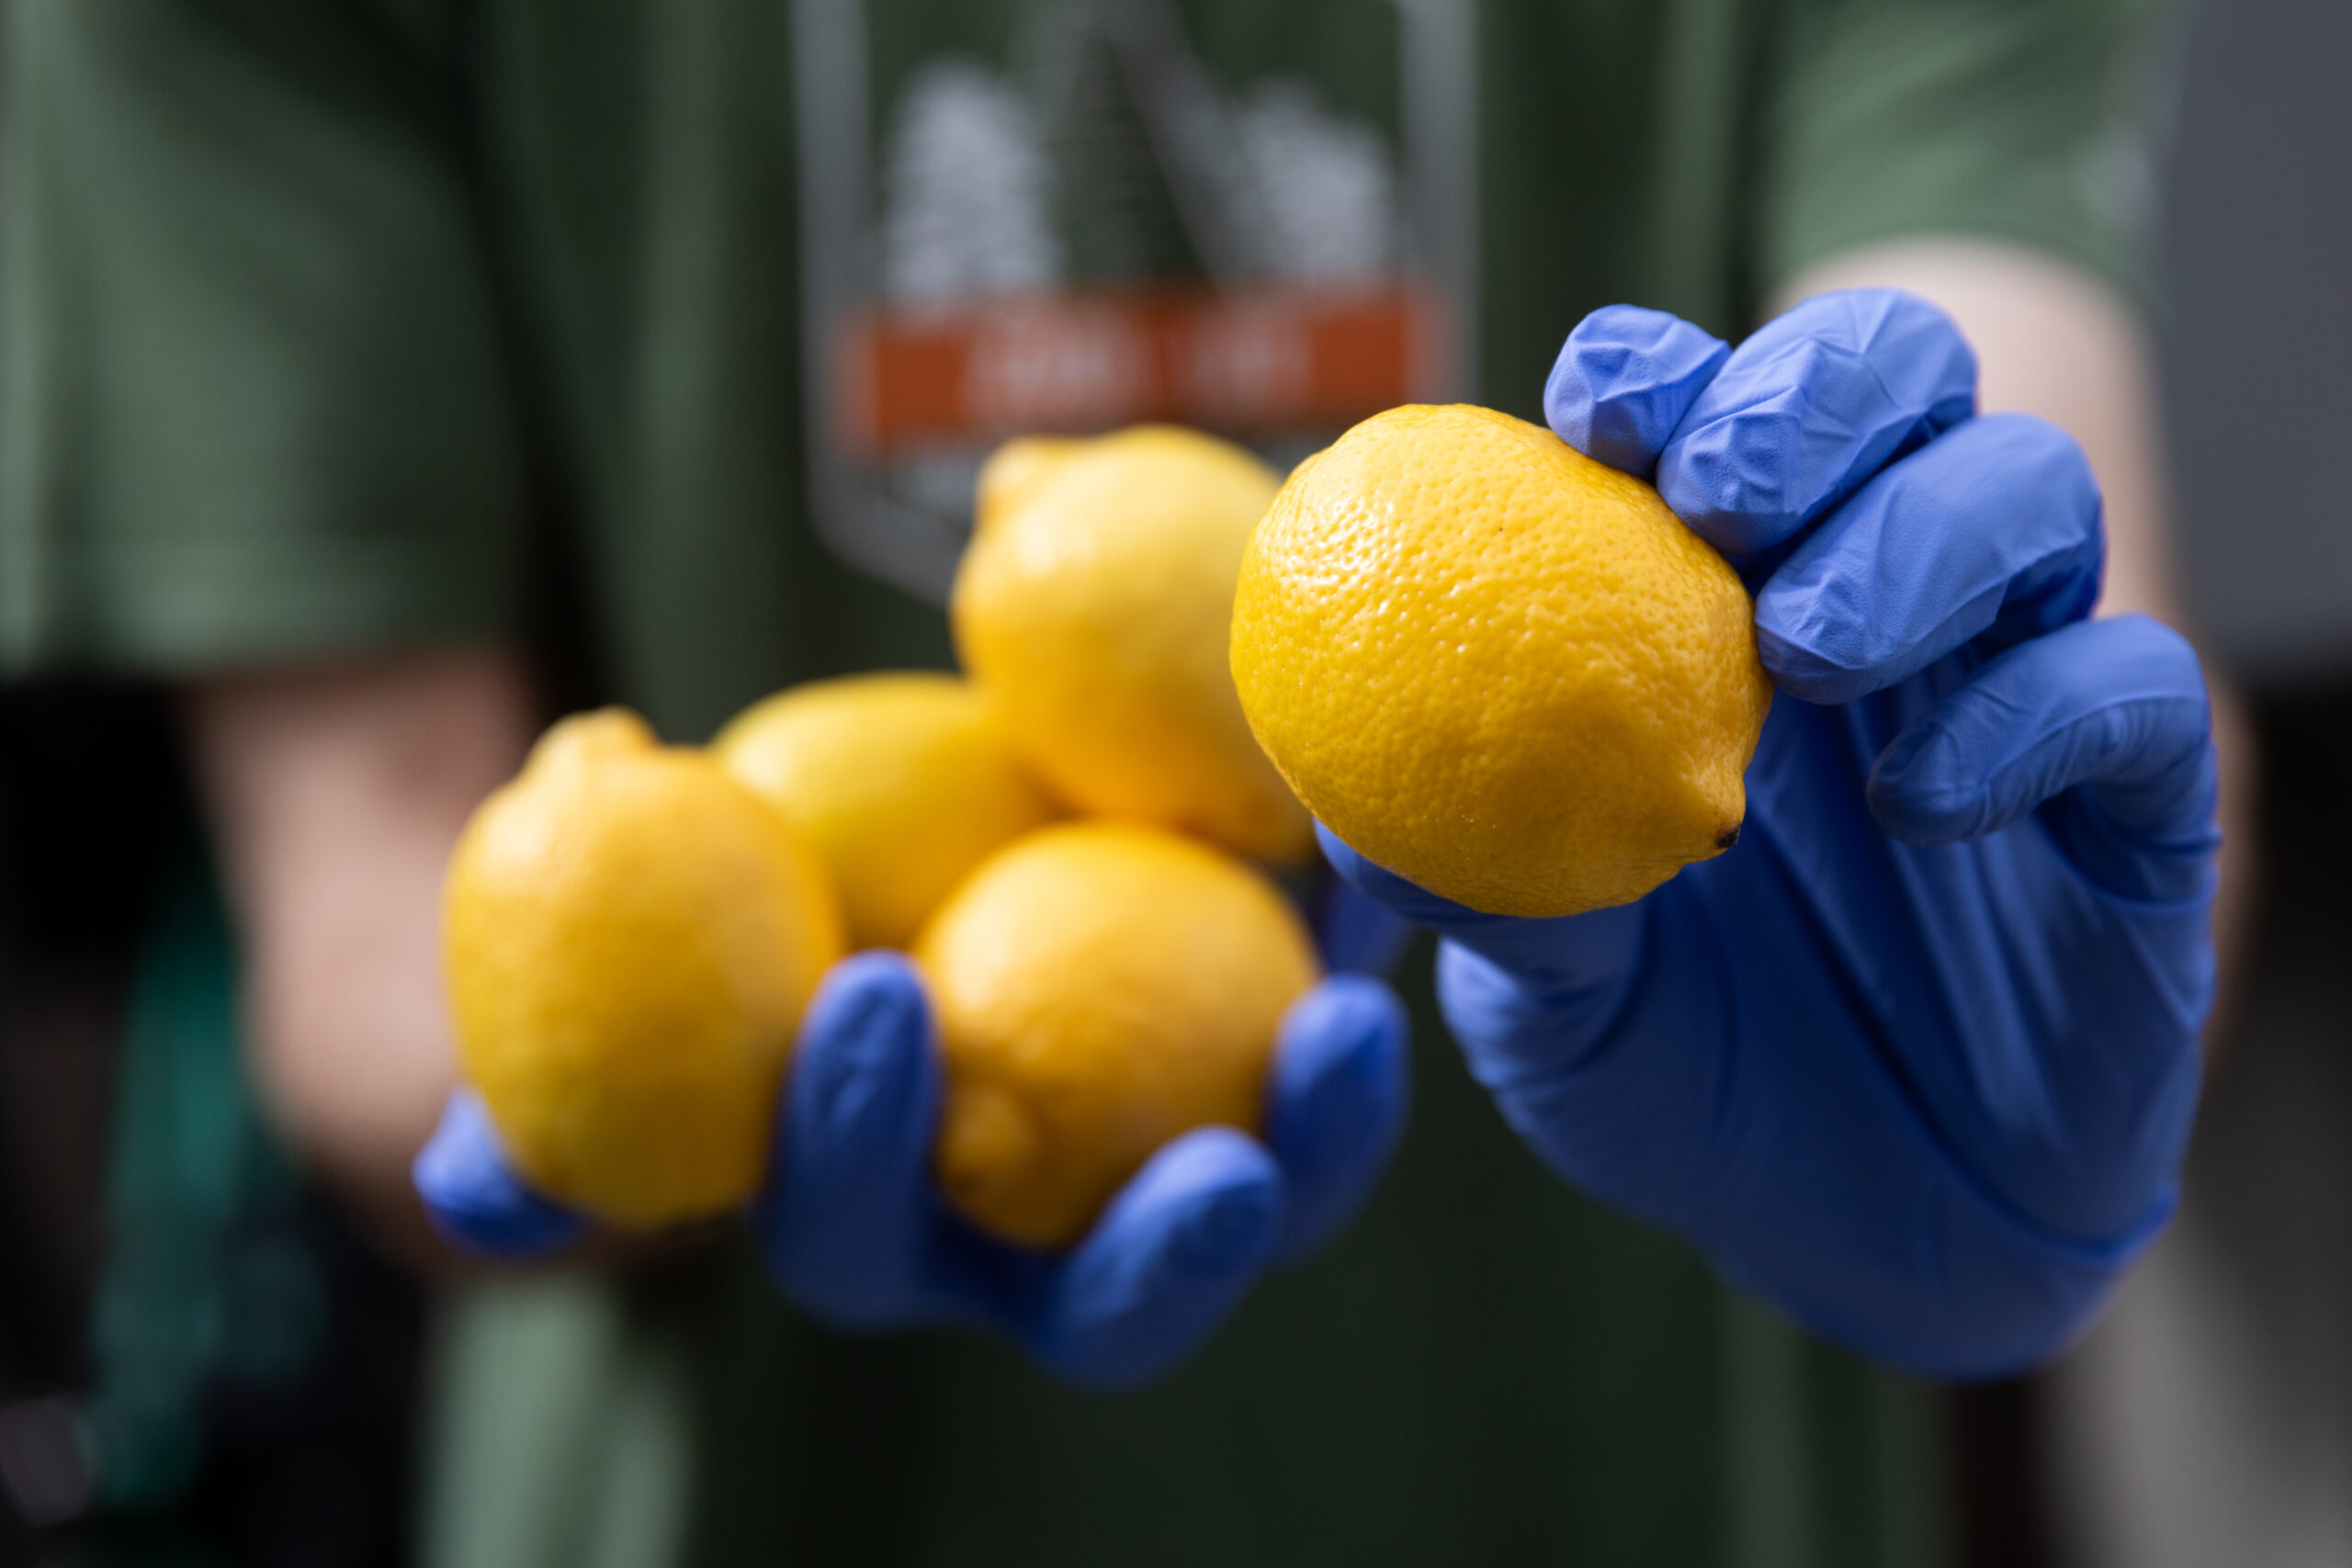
{"points": [[1624, 379], [1809, 408], [843, 1218], [1336, 1101], [474, 1198], [1586, 958], [1994, 527], [1418, 905], [1173, 1253], [1355, 933], [2114, 710]]}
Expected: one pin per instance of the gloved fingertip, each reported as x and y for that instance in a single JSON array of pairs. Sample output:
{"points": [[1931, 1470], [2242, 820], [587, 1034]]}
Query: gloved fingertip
{"points": [[1232, 1229], [1338, 1098], [1346, 1014], [472, 1196], [1378, 883], [866, 1037], [1727, 478], [1919, 793], [1168, 1259], [875, 995], [2106, 723], [1989, 533], [1623, 381], [841, 1215], [1207, 1205], [1811, 404], [1344, 858], [1788, 639], [1355, 932], [1340, 1074]]}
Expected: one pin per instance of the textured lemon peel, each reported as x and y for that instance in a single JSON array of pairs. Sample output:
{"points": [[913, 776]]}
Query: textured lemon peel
{"points": [[1100, 989], [902, 781], [1094, 607], [630, 938], [1502, 669]]}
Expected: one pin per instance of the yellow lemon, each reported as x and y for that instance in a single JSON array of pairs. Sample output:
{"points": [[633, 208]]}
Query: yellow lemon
{"points": [[1100, 987], [1094, 606], [629, 936], [1016, 469], [901, 782], [1503, 670]]}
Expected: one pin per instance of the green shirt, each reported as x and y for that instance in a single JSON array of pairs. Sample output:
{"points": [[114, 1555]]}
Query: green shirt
{"points": [[667, 331]]}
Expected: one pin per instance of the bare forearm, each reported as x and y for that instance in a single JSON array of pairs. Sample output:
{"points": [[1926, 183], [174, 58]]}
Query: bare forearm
{"points": [[335, 793]]}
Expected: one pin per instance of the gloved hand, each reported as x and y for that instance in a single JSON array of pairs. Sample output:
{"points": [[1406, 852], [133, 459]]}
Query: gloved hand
{"points": [[854, 1230], [1916, 1059]]}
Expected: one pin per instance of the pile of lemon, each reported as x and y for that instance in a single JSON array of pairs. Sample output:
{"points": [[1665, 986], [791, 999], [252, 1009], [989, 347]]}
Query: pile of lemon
{"points": [[1066, 839], [1491, 664]]}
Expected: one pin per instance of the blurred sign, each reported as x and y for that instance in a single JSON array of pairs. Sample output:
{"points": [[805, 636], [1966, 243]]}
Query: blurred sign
{"points": [[1079, 220], [1266, 360]]}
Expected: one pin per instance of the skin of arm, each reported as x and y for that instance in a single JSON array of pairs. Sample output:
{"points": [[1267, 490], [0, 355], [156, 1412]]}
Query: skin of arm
{"points": [[2050, 340], [337, 792]]}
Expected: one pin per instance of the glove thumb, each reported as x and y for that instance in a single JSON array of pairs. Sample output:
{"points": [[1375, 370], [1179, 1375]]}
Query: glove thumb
{"points": [[1588, 955]]}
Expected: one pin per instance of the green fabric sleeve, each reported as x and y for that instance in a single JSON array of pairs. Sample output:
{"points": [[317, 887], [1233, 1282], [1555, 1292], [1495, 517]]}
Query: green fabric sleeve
{"points": [[2023, 120], [252, 404]]}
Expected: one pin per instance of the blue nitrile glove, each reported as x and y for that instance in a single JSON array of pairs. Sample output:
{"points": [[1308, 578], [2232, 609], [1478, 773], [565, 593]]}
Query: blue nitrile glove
{"points": [[1917, 1058], [854, 1232]]}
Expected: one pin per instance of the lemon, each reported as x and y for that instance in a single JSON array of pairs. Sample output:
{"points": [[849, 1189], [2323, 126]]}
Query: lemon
{"points": [[629, 936], [1016, 469], [1499, 669], [901, 782], [1100, 987], [1094, 606]]}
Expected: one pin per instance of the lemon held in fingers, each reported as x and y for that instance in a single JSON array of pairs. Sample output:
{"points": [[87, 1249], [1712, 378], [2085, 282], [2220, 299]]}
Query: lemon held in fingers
{"points": [[901, 782], [1094, 606], [629, 936], [1501, 669], [1100, 988]]}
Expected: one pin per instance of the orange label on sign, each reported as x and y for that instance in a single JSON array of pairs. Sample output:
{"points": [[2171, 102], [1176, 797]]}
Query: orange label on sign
{"points": [[1242, 361]]}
